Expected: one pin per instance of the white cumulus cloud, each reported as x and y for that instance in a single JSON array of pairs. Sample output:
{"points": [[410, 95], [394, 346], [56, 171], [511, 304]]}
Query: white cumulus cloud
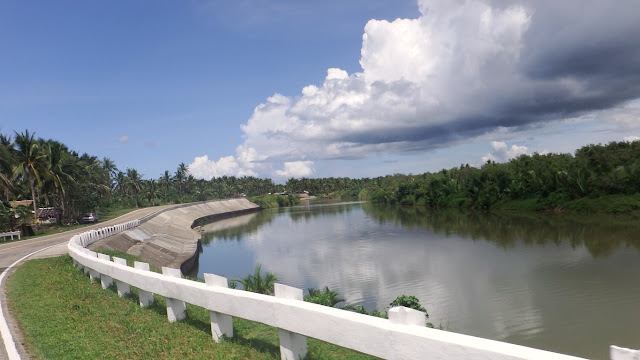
{"points": [[203, 168], [460, 70], [296, 169], [123, 139], [502, 153]]}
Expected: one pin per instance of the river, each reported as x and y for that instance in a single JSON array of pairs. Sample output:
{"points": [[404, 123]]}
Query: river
{"points": [[565, 283]]}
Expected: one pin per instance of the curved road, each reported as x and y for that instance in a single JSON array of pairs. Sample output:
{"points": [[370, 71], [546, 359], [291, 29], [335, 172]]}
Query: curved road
{"points": [[56, 245]]}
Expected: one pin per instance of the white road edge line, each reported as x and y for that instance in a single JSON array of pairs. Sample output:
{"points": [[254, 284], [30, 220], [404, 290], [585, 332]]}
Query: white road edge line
{"points": [[9, 344]]}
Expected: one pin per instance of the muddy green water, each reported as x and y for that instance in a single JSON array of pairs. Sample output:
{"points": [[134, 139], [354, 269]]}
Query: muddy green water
{"points": [[564, 283]]}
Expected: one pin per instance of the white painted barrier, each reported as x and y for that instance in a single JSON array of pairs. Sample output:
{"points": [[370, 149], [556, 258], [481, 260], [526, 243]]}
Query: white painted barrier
{"points": [[11, 234], [402, 336]]}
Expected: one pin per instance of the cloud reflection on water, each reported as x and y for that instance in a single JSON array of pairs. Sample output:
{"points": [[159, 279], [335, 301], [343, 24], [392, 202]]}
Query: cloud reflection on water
{"points": [[530, 279]]}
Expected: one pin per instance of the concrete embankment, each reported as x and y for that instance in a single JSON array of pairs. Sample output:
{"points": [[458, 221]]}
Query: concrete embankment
{"points": [[168, 238]]}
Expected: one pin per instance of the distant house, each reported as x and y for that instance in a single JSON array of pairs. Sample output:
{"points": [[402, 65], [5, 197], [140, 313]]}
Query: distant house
{"points": [[49, 215], [26, 203]]}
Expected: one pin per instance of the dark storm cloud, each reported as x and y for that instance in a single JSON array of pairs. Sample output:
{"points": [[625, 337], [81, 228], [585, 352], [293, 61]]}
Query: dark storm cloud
{"points": [[576, 57]]}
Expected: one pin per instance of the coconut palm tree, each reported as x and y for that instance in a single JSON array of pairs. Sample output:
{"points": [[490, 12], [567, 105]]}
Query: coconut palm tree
{"points": [[110, 167], [151, 189], [134, 183], [30, 161], [7, 163], [181, 173], [56, 155], [121, 183], [165, 180]]}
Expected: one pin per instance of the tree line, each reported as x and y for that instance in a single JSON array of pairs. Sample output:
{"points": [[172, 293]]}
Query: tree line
{"points": [[49, 173], [52, 175], [596, 178]]}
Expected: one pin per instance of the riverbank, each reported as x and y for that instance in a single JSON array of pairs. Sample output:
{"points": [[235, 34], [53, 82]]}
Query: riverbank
{"points": [[607, 204], [170, 238]]}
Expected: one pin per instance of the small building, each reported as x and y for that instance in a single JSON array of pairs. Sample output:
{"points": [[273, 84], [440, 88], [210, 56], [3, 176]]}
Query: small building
{"points": [[49, 215], [25, 203]]}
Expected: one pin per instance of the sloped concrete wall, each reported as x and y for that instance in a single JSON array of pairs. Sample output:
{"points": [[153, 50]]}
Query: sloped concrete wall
{"points": [[168, 239]]}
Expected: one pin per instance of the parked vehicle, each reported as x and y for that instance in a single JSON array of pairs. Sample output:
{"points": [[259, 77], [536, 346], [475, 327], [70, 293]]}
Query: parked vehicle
{"points": [[90, 218]]}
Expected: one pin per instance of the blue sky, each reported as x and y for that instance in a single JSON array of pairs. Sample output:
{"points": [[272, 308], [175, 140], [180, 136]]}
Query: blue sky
{"points": [[335, 88]]}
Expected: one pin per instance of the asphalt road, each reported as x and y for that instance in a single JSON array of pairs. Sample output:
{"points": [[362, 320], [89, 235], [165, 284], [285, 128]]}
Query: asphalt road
{"points": [[57, 244]]}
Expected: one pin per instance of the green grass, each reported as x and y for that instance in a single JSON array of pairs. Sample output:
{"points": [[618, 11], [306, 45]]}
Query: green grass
{"points": [[64, 315]]}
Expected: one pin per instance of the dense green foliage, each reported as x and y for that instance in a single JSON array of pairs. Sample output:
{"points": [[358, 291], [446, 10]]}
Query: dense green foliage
{"points": [[275, 200], [54, 176], [331, 298], [598, 178], [324, 297], [531, 182]]}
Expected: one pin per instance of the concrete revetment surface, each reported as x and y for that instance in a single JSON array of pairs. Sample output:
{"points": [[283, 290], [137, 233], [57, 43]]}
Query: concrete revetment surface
{"points": [[168, 239]]}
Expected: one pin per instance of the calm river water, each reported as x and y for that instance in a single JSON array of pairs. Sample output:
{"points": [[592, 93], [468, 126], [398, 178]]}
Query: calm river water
{"points": [[563, 283]]}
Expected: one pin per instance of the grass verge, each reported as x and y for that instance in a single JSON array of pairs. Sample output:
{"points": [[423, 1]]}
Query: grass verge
{"points": [[63, 315]]}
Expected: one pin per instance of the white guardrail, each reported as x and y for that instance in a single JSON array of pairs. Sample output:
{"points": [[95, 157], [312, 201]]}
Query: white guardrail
{"points": [[402, 336]]}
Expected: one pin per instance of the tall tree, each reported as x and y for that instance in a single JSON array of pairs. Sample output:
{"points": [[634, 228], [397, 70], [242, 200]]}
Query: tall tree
{"points": [[55, 177], [29, 161], [165, 180], [181, 174], [151, 189], [110, 167], [134, 183], [7, 161]]}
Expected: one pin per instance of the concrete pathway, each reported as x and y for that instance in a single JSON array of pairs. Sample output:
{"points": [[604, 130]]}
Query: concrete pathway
{"points": [[55, 245]]}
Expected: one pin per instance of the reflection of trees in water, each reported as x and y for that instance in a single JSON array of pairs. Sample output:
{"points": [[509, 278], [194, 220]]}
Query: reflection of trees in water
{"points": [[235, 233], [601, 234], [310, 211], [305, 212]]}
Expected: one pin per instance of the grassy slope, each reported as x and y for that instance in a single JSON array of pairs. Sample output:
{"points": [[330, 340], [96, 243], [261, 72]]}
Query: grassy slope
{"points": [[65, 316]]}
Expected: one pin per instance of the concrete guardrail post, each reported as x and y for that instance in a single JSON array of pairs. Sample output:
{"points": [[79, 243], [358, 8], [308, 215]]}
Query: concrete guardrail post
{"points": [[123, 287], [620, 353], [146, 298], [176, 309], [93, 275], [406, 316], [105, 280], [221, 324], [292, 346]]}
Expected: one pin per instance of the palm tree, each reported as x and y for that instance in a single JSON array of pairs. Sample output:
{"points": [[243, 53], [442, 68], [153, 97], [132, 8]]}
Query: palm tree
{"points": [[29, 162], [110, 173], [121, 183], [134, 183], [151, 188], [257, 282], [181, 172], [110, 168], [165, 180], [7, 161], [56, 175]]}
